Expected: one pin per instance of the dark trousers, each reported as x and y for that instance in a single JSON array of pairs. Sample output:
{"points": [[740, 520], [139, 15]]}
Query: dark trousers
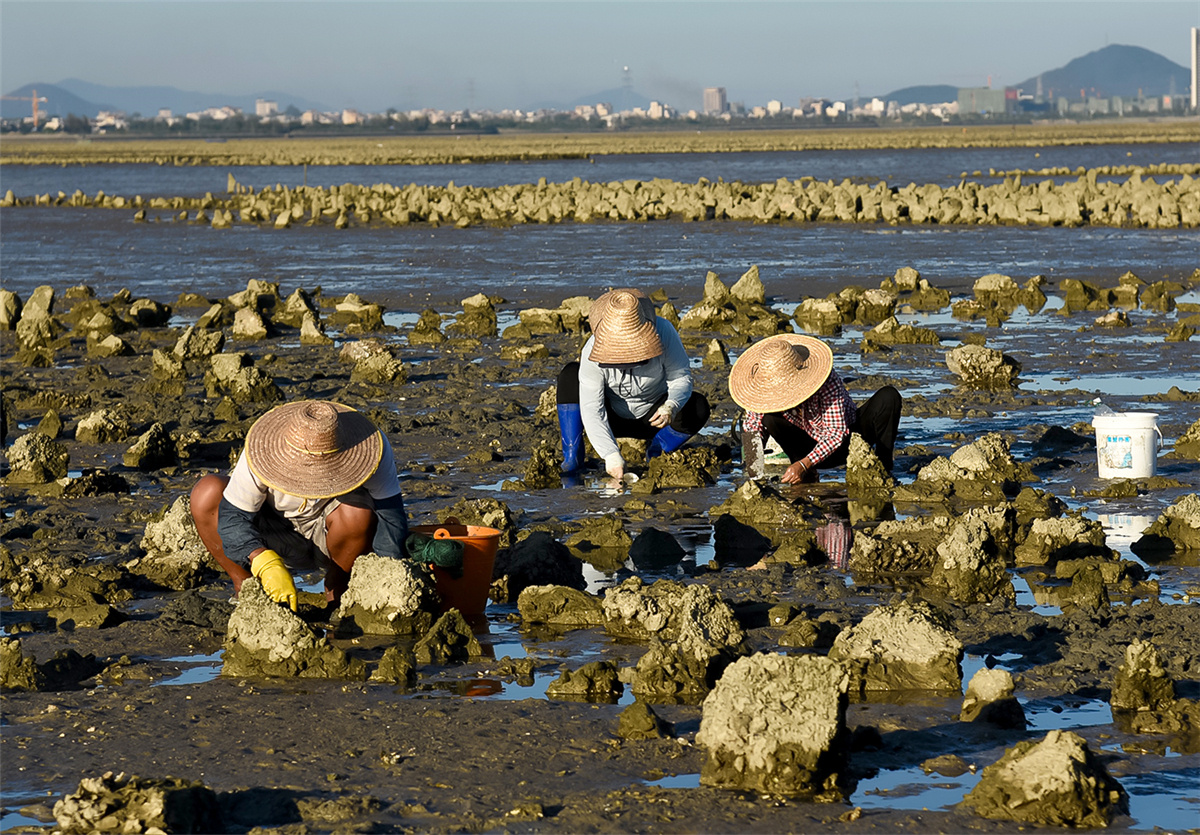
{"points": [[878, 421], [690, 419]]}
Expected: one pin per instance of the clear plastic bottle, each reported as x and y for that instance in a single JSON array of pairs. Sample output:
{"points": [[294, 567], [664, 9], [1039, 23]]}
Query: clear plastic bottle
{"points": [[1100, 408]]}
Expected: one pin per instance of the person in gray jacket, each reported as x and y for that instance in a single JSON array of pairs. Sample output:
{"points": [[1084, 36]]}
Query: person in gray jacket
{"points": [[633, 380]]}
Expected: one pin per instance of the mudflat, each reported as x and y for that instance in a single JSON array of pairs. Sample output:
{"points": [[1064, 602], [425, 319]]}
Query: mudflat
{"points": [[115, 632]]}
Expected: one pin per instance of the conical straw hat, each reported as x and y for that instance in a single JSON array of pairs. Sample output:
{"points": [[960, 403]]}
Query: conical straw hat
{"points": [[600, 306], [780, 372], [313, 449], [624, 334]]}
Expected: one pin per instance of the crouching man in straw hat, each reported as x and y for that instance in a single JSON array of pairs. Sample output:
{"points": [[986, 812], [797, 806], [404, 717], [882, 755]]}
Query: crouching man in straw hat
{"points": [[315, 487], [633, 380], [790, 392]]}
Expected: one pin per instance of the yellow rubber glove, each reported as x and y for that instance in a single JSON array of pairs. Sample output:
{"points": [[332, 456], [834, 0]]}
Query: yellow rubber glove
{"points": [[276, 580]]}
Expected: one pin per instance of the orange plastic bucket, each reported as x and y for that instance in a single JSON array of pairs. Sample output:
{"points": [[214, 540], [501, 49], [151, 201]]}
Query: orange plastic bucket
{"points": [[469, 593]]}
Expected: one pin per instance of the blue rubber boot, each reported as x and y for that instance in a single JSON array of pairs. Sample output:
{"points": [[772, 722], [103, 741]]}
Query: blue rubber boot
{"points": [[570, 426], [667, 440]]}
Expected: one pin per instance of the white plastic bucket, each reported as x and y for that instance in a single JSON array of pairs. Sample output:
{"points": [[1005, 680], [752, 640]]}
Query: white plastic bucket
{"points": [[1127, 444]]}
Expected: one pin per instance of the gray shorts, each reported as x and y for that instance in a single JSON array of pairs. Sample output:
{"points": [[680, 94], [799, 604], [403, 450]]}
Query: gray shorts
{"points": [[302, 544]]}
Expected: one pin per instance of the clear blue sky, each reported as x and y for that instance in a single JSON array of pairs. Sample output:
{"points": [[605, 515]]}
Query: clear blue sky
{"points": [[519, 54]]}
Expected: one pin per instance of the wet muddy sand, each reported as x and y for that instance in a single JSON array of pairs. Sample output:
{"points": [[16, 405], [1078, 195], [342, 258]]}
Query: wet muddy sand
{"points": [[128, 648]]}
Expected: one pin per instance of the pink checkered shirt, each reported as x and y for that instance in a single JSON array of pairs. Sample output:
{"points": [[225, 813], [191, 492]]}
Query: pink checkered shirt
{"points": [[826, 417]]}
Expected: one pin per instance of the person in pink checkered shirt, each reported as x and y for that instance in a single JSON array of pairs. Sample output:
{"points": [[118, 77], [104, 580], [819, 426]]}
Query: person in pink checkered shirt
{"points": [[790, 392]]}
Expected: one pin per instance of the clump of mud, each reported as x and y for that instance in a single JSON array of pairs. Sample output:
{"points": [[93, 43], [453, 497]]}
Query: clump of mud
{"points": [[1056, 781], [596, 681], [387, 596], [559, 606], [990, 699], [907, 646], [175, 558], [265, 639], [777, 724], [1175, 531], [115, 803], [450, 639]]}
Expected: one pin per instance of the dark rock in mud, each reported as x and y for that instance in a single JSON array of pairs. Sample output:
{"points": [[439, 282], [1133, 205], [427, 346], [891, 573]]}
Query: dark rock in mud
{"points": [[192, 610], [17, 670], [899, 545], [1056, 440], [697, 636], [971, 562], [102, 426], [761, 506], [36, 459], [197, 344], [357, 316], [716, 355], [427, 330], [397, 666], [387, 596], [265, 640], [1056, 781], [891, 332], [10, 309], [654, 549], [118, 804], [983, 471], [983, 368], [593, 682], [990, 699], [93, 615], [235, 375], [639, 721], [153, 450], [537, 560], [1088, 589], [1072, 536], [175, 556], [906, 646], [802, 632], [42, 582], [865, 473], [379, 369], [560, 606], [450, 639], [1142, 681], [477, 319], [691, 466], [1176, 530], [249, 325], [636, 610], [51, 425], [777, 724]]}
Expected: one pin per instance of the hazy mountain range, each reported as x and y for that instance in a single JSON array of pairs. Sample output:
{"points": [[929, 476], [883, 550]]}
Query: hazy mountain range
{"points": [[1115, 70]]}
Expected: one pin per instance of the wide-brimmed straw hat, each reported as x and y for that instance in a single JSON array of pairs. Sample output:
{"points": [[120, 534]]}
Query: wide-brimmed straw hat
{"points": [[624, 333], [600, 306], [780, 372], [313, 449]]}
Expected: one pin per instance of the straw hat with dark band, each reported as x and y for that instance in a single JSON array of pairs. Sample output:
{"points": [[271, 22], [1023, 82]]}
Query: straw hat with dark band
{"points": [[313, 449], [600, 306], [624, 333], [780, 372]]}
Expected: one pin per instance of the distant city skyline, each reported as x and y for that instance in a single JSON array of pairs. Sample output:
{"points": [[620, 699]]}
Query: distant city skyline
{"points": [[497, 54]]}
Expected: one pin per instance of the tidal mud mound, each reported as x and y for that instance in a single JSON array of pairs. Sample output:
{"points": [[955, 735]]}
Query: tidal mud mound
{"points": [[265, 639], [387, 596], [777, 724], [1056, 781], [908, 646], [116, 803]]}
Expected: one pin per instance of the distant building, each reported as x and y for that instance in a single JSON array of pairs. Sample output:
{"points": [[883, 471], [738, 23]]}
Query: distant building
{"points": [[714, 100], [658, 110], [984, 100], [1195, 67], [264, 107], [164, 113], [350, 117], [774, 107]]}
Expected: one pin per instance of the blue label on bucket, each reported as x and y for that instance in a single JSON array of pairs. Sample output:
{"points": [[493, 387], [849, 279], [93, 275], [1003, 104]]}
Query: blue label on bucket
{"points": [[1117, 452]]}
